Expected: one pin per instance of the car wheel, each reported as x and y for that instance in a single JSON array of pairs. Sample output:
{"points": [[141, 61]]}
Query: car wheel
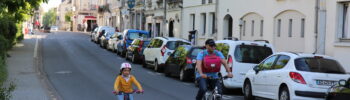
{"points": [[126, 56], [183, 75], [156, 66], [144, 65], [133, 59], [284, 94], [248, 91]]}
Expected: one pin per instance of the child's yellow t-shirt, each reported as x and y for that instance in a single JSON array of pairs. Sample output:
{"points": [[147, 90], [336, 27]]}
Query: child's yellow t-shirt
{"points": [[126, 86]]}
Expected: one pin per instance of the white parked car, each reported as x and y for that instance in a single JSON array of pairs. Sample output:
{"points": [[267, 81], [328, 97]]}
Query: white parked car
{"points": [[112, 43], [241, 56], [95, 36], [54, 28], [293, 76], [159, 50]]}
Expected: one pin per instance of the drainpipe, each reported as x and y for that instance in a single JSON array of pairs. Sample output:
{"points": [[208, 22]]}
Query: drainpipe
{"points": [[164, 19], [320, 26], [216, 19], [316, 24]]}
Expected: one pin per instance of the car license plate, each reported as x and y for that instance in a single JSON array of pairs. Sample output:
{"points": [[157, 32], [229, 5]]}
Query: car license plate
{"points": [[326, 82], [194, 61]]}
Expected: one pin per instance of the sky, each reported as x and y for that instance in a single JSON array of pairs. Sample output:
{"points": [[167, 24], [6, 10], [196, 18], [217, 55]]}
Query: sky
{"points": [[50, 4]]}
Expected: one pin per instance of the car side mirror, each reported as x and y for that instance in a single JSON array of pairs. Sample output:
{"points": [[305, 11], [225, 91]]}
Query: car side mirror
{"points": [[342, 82], [256, 69]]}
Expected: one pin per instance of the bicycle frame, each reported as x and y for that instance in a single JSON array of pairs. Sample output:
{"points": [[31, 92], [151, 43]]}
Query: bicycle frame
{"points": [[214, 93]]}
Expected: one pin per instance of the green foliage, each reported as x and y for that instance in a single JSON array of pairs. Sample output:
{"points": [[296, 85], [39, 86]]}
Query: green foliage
{"points": [[49, 18], [224, 48], [67, 17], [5, 92]]}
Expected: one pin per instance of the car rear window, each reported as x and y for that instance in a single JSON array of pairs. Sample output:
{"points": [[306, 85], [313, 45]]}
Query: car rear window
{"points": [[134, 35], [319, 65], [251, 53], [223, 48], [145, 43], [195, 52], [172, 45]]}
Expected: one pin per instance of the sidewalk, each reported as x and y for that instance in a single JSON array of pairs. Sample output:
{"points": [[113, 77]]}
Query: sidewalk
{"points": [[23, 72]]}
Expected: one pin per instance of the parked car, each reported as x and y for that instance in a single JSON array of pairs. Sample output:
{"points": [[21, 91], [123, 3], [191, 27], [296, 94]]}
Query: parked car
{"points": [[46, 29], [340, 91], [105, 38], [54, 28], [160, 49], [112, 43], [128, 36], [241, 56], [99, 31], [135, 50], [293, 76], [182, 62]]}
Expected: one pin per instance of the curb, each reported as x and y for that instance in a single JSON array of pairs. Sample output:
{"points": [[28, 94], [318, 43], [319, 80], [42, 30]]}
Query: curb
{"points": [[38, 64]]}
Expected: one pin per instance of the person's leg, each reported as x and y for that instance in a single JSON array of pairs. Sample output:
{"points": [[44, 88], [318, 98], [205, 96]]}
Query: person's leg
{"points": [[120, 96], [202, 85], [131, 97]]}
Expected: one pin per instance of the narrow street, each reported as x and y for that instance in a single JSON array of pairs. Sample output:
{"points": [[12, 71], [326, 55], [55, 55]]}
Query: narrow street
{"points": [[80, 70]]}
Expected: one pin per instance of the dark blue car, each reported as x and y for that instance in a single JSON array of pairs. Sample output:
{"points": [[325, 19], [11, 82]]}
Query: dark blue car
{"points": [[128, 36]]}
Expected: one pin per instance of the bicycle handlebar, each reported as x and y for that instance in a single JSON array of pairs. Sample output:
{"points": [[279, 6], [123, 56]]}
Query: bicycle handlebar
{"points": [[135, 91]]}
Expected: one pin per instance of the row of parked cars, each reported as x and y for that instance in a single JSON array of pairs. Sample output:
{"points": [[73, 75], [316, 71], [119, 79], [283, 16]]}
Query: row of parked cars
{"points": [[257, 69]]}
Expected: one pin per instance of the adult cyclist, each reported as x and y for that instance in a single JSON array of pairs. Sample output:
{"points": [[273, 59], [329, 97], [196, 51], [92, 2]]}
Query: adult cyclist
{"points": [[207, 66]]}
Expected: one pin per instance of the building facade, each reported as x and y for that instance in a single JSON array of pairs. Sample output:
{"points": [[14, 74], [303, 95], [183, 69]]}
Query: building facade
{"points": [[199, 15]]}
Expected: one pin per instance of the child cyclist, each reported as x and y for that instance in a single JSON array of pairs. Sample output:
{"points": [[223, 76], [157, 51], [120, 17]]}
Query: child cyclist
{"points": [[124, 81]]}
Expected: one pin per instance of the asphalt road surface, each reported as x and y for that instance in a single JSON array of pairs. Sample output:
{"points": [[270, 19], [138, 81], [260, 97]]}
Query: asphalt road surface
{"points": [[80, 70]]}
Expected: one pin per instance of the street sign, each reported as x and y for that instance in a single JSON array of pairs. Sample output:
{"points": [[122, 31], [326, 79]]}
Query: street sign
{"points": [[131, 4]]}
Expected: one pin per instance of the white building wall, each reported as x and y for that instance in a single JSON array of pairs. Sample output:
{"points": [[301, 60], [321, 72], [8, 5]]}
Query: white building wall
{"points": [[269, 9], [197, 8], [334, 47]]}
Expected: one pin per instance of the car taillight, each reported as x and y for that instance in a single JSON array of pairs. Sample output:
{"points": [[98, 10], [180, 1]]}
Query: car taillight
{"points": [[162, 51], [296, 77], [140, 46], [230, 61], [188, 60]]}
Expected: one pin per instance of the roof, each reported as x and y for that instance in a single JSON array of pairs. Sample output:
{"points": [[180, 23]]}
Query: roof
{"points": [[138, 31]]}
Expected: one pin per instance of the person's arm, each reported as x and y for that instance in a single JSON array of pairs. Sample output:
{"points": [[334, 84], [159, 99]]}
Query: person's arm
{"points": [[138, 85], [223, 61], [199, 64], [116, 84]]}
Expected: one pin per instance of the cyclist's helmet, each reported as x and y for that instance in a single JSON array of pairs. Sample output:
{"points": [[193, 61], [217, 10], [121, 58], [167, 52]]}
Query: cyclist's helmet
{"points": [[125, 65]]}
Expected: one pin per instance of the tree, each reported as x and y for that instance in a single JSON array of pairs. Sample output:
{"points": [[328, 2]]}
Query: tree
{"points": [[49, 18]]}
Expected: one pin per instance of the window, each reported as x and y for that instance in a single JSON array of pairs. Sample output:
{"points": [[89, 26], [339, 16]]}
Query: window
{"points": [[244, 26], [193, 21], [156, 43], [261, 28], [302, 28], [195, 52], [224, 48], [210, 1], [267, 64], [204, 19], [251, 54], [319, 65], [279, 28], [281, 62], [252, 28], [213, 23], [290, 28], [345, 21], [203, 1]]}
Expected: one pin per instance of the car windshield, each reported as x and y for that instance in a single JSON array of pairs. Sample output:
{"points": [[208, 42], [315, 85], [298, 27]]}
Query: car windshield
{"points": [[319, 65], [134, 35], [145, 43], [251, 53], [195, 52], [172, 45]]}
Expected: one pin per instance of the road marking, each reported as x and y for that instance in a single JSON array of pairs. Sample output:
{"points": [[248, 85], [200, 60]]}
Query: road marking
{"points": [[63, 72]]}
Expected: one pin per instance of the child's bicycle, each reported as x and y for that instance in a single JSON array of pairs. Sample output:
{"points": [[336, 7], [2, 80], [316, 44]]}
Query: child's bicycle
{"points": [[213, 93], [126, 95]]}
